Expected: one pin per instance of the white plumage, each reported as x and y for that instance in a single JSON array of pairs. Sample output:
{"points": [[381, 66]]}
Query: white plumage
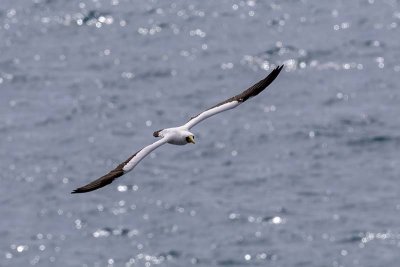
{"points": [[179, 135]]}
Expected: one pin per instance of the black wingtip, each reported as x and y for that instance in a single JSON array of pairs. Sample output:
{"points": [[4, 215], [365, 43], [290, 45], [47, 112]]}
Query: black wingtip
{"points": [[278, 69], [79, 190], [260, 86], [90, 187], [272, 76], [105, 179], [85, 190]]}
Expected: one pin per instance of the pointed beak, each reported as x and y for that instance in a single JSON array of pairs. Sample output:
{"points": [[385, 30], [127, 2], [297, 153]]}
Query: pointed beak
{"points": [[191, 139]]}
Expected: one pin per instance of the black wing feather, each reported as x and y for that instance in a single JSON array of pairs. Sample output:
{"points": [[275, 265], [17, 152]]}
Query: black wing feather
{"points": [[106, 179], [253, 90]]}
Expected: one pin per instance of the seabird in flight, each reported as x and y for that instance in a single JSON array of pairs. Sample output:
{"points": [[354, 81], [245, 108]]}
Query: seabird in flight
{"points": [[179, 135]]}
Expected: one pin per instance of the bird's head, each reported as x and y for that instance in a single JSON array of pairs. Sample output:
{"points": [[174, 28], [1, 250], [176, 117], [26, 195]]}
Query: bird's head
{"points": [[190, 139]]}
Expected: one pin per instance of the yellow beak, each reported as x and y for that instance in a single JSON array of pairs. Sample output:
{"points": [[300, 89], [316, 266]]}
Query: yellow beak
{"points": [[190, 139]]}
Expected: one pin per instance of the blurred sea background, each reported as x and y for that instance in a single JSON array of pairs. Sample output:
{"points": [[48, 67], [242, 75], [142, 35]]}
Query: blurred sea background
{"points": [[305, 174]]}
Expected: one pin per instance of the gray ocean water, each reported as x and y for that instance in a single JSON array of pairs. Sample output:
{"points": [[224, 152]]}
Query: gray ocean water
{"points": [[305, 174]]}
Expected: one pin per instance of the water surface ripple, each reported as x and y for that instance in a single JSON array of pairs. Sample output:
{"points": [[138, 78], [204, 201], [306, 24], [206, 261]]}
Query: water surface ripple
{"points": [[306, 174]]}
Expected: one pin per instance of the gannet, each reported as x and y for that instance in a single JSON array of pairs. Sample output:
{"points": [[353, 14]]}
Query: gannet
{"points": [[180, 135]]}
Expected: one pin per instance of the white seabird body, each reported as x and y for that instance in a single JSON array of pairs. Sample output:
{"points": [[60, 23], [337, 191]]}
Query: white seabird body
{"points": [[179, 135], [176, 135]]}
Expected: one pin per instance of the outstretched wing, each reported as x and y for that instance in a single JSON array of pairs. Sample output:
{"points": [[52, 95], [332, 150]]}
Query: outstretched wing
{"points": [[235, 100], [121, 169]]}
